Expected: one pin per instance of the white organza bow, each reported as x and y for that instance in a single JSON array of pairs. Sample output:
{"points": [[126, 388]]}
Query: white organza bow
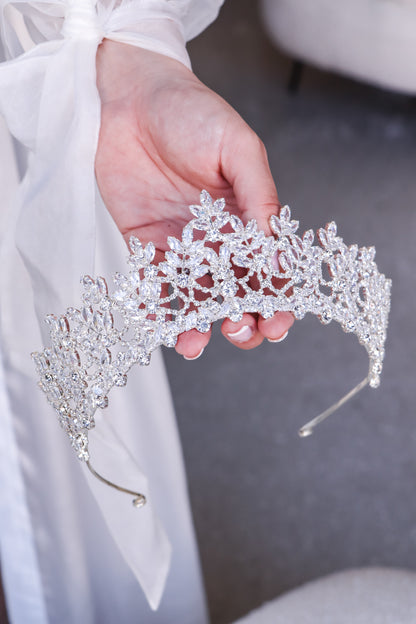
{"points": [[49, 99]]}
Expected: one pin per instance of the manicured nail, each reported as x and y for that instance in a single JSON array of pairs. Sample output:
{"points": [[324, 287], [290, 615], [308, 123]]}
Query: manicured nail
{"points": [[242, 335], [195, 357], [278, 339]]}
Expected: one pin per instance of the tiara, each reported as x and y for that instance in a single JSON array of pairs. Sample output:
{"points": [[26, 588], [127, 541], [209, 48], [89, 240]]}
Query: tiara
{"points": [[206, 276]]}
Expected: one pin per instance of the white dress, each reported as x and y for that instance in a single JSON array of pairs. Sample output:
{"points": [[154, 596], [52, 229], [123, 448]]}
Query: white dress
{"points": [[72, 549]]}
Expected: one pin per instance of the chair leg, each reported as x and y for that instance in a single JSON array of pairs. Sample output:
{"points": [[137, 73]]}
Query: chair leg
{"points": [[295, 77]]}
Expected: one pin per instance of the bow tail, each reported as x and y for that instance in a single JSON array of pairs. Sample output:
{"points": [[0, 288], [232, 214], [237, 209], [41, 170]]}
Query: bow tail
{"points": [[50, 100], [56, 227]]}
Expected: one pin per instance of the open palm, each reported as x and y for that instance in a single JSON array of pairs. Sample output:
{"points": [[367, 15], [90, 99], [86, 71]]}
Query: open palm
{"points": [[165, 136]]}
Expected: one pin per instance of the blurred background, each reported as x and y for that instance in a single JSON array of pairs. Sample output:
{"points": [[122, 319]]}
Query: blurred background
{"points": [[273, 510]]}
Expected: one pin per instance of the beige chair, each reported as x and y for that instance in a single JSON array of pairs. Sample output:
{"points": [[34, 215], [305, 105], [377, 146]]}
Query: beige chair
{"points": [[369, 40], [367, 596]]}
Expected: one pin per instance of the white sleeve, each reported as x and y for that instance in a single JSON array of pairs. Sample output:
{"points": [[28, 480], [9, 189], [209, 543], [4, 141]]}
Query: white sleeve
{"points": [[49, 99], [159, 25]]}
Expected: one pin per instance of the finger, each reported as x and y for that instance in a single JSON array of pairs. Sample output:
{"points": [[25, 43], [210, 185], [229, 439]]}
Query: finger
{"points": [[276, 328], [245, 166], [243, 334], [191, 344]]}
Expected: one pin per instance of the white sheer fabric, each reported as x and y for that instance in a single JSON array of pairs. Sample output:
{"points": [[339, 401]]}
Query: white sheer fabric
{"points": [[73, 549]]}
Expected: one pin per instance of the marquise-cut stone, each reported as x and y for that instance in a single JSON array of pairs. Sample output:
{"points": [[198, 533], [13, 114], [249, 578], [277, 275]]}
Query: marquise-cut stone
{"points": [[174, 244]]}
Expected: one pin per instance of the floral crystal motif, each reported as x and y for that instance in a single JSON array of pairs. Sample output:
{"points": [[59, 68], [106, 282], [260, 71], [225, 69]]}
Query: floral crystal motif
{"points": [[93, 348]]}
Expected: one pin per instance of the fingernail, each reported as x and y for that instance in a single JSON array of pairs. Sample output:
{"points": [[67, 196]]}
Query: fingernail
{"points": [[278, 339], [242, 335], [195, 357]]}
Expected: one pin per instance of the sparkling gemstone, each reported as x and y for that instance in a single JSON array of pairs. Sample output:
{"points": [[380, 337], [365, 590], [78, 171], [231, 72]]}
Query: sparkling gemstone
{"points": [[87, 423], [172, 259], [102, 286], [228, 289], [201, 224], [52, 321], [251, 228], [135, 244], [236, 312], [326, 316], [174, 244], [203, 325], [308, 237], [210, 255], [87, 314], [205, 199], [331, 229], [150, 272], [221, 220], [105, 358], [120, 380], [196, 210], [63, 325], [374, 381], [101, 401], [151, 307], [284, 214], [299, 311], [55, 392], [144, 359], [187, 236], [212, 234], [219, 205], [241, 261], [350, 325], [182, 280], [40, 361], [108, 321], [267, 309], [190, 320], [200, 271], [236, 223], [171, 334], [149, 252], [121, 282]]}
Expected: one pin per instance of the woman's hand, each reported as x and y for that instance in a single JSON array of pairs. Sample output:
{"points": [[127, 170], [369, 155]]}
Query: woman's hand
{"points": [[164, 136]]}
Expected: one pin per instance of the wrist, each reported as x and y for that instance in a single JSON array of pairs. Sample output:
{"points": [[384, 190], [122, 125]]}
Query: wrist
{"points": [[122, 68]]}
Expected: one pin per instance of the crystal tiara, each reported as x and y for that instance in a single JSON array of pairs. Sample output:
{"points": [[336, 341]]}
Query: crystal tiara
{"points": [[219, 269]]}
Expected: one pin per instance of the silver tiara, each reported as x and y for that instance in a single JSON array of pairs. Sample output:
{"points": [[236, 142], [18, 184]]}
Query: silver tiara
{"points": [[93, 348]]}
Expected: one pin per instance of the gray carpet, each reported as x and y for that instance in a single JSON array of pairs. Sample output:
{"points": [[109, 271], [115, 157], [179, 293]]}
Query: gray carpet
{"points": [[273, 510]]}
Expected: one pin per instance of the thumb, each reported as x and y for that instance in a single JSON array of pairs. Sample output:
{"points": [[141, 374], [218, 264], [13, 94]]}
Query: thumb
{"points": [[245, 166]]}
